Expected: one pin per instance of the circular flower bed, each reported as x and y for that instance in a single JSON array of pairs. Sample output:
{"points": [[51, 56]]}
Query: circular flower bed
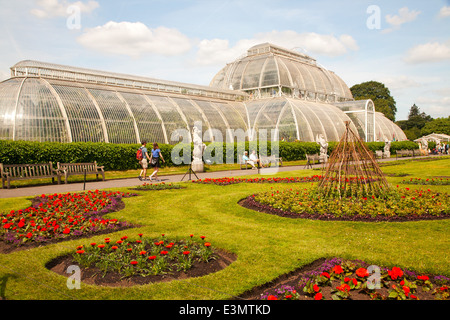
{"points": [[59, 216], [400, 205], [428, 181], [338, 279], [158, 186], [144, 260]]}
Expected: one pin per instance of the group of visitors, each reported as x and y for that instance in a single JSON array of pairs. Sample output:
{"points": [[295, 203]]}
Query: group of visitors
{"points": [[153, 159], [252, 160]]}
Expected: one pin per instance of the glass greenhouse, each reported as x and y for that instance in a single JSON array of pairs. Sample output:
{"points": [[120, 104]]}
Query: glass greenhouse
{"points": [[270, 88]]}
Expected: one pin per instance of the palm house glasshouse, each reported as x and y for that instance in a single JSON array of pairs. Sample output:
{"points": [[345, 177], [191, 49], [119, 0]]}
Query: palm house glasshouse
{"points": [[270, 88]]}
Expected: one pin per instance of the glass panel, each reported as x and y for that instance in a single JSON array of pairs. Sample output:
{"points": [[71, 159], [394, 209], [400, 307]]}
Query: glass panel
{"points": [[84, 120], [38, 116], [119, 123], [214, 118], [270, 74], [147, 121], [236, 76], [284, 74], [8, 96], [287, 127], [170, 115], [252, 74]]}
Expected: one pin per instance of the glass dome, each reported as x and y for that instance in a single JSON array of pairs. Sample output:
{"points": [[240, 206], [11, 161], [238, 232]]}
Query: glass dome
{"points": [[269, 70]]}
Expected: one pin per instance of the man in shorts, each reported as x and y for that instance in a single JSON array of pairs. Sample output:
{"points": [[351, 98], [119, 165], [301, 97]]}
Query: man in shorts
{"points": [[144, 161]]}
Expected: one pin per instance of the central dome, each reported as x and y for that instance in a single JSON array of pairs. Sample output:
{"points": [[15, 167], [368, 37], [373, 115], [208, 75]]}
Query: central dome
{"points": [[270, 70]]}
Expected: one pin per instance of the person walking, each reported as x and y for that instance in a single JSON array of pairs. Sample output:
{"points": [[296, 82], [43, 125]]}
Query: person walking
{"points": [[144, 161], [155, 155]]}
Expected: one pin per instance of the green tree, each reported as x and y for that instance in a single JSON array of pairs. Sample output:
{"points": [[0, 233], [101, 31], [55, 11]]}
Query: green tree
{"points": [[379, 94], [438, 125], [416, 121]]}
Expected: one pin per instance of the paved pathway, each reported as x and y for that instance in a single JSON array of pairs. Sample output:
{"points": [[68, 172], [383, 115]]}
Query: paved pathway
{"points": [[130, 182]]}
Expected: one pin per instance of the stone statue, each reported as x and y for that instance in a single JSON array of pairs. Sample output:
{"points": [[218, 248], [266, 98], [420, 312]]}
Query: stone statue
{"points": [[199, 147], [423, 145], [323, 147], [387, 148]]}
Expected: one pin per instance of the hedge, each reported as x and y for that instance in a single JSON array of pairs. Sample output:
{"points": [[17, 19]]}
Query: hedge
{"points": [[123, 156]]}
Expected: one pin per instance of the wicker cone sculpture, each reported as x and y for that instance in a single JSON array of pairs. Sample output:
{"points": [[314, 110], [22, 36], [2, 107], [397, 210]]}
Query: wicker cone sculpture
{"points": [[352, 171]]}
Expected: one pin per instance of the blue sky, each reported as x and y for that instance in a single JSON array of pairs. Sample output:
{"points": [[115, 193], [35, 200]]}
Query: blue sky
{"points": [[403, 44]]}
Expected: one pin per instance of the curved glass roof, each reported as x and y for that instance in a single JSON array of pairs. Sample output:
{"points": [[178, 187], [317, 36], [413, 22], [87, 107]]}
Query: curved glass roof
{"points": [[274, 88], [268, 68]]}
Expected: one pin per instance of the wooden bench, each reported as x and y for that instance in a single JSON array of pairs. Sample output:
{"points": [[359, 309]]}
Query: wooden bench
{"points": [[378, 154], [243, 164], [401, 153], [10, 172], [311, 159], [73, 169], [265, 160]]}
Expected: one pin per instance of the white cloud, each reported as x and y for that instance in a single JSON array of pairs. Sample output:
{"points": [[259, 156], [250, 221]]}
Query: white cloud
{"points": [[218, 51], [404, 15], [134, 39], [56, 8], [444, 12], [436, 107], [428, 52], [400, 82]]}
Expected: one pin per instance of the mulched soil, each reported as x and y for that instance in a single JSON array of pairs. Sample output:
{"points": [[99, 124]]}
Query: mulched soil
{"points": [[251, 203], [292, 279], [94, 276]]}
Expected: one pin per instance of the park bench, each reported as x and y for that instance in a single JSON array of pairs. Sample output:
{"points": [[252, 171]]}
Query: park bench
{"points": [[265, 160], [311, 159], [402, 153], [243, 164], [378, 154], [72, 169], [10, 172]]}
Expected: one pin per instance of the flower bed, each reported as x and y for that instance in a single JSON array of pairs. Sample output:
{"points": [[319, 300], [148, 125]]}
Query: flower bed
{"points": [[145, 259], [338, 279], [158, 186], [227, 181], [401, 205], [431, 182], [59, 216]]}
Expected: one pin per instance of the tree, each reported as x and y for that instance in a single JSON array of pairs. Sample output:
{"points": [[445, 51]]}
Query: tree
{"points": [[438, 125], [379, 94], [416, 121]]}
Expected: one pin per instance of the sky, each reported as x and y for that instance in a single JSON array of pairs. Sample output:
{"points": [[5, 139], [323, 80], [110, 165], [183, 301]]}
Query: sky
{"points": [[403, 44]]}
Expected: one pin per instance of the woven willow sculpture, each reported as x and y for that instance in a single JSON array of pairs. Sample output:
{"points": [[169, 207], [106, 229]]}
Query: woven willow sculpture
{"points": [[352, 171]]}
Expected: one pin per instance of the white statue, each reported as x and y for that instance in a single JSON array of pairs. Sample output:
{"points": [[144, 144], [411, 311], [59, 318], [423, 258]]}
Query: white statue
{"points": [[199, 147], [323, 147], [423, 145], [387, 148]]}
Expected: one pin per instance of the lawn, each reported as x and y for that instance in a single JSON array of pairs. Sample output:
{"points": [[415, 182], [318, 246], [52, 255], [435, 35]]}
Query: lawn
{"points": [[266, 246]]}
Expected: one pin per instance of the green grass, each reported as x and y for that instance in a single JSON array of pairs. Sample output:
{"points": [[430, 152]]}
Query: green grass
{"points": [[266, 245]]}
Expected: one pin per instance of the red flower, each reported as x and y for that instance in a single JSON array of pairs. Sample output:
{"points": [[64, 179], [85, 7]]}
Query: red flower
{"points": [[164, 252], [316, 288], [207, 244], [362, 272], [337, 269], [134, 262], [186, 252], [406, 290], [142, 253], [203, 237], [101, 246], [325, 274], [424, 278], [343, 287], [114, 247], [318, 296], [152, 258], [80, 251], [272, 297], [395, 273], [29, 235]]}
